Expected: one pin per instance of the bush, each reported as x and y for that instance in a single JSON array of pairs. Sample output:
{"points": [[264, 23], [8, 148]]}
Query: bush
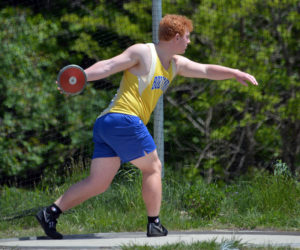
{"points": [[269, 200], [203, 199], [282, 169]]}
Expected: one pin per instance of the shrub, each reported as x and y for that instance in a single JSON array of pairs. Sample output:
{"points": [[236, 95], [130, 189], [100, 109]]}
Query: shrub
{"points": [[202, 199]]}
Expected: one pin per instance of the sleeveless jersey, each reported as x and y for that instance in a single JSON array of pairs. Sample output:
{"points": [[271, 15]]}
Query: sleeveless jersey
{"points": [[138, 95]]}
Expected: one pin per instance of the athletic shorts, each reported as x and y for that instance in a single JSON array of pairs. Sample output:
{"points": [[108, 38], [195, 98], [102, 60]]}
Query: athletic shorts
{"points": [[122, 135]]}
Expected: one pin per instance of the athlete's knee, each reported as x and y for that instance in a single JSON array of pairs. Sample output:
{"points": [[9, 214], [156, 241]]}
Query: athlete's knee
{"points": [[158, 166], [96, 186], [154, 168]]}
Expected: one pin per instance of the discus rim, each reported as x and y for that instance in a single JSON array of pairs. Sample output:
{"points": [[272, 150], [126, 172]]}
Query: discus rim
{"points": [[59, 79]]}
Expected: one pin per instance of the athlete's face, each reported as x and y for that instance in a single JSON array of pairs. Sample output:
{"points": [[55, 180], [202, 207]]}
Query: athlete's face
{"points": [[183, 42]]}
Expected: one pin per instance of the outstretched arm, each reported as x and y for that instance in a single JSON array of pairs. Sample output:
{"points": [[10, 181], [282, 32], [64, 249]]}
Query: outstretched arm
{"points": [[188, 68], [129, 58]]}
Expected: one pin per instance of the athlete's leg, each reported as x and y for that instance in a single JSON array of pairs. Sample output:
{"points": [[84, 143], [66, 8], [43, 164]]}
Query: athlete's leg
{"points": [[150, 166], [101, 175]]}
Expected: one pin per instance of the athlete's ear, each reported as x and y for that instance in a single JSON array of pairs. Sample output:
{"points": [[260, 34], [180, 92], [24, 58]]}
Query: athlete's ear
{"points": [[177, 36]]}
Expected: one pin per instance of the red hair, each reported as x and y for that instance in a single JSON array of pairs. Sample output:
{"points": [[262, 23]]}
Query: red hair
{"points": [[170, 25]]}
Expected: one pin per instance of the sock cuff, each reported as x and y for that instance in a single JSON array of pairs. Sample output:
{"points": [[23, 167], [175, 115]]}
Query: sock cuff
{"points": [[55, 209], [153, 219]]}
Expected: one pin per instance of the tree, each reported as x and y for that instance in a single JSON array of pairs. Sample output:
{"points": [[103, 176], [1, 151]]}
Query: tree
{"points": [[42, 130], [216, 129], [227, 129]]}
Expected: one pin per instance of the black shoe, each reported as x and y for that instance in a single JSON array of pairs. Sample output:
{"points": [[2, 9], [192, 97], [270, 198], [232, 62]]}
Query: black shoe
{"points": [[48, 223], [156, 230]]}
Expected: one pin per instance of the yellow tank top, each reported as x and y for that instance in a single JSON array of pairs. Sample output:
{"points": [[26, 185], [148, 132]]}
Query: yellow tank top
{"points": [[138, 95]]}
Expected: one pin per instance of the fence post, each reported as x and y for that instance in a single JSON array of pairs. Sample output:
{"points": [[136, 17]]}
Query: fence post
{"points": [[159, 110]]}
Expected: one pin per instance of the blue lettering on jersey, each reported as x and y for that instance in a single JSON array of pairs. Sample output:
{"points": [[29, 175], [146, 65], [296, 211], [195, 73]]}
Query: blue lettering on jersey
{"points": [[160, 82]]}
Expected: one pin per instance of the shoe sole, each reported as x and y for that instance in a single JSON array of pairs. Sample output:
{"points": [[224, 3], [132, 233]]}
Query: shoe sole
{"points": [[155, 235], [159, 231], [58, 237]]}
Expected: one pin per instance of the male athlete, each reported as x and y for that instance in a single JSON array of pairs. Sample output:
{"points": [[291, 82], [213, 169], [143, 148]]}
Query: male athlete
{"points": [[120, 134]]}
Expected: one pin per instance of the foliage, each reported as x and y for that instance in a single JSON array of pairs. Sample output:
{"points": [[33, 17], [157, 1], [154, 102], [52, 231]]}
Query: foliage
{"points": [[203, 245], [281, 169], [41, 129], [222, 129], [27, 98], [262, 201], [203, 200], [218, 130]]}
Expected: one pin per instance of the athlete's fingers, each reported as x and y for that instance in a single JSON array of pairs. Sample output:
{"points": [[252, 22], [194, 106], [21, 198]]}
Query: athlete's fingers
{"points": [[242, 78], [60, 90], [253, 80], [243, 82]]}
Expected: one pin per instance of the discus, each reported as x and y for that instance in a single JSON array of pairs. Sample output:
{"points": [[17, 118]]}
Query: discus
{"points": [[71, 79]]}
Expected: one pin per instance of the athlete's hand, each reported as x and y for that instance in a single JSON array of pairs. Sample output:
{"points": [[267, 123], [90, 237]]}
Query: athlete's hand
{"points": [[59, 89], [242, 77]]}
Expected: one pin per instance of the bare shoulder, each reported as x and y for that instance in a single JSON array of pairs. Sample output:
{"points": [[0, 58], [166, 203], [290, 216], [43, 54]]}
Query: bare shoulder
{"points": [[189, 68], [180, 62], [138, 49], [138, 52], [141, 54], [178, 59]]}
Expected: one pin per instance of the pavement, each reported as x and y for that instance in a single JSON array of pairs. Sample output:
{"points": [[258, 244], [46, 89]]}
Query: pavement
{"points": [[117, 240]]}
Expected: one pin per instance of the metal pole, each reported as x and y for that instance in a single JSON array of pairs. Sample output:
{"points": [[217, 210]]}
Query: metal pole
{"points": [[159, 110]]}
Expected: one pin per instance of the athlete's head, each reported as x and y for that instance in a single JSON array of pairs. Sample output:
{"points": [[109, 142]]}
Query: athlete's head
{"points": [[170, 25]]}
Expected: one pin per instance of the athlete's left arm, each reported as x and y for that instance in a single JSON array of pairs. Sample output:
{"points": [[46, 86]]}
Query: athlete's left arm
{"points": [[188, 68]]}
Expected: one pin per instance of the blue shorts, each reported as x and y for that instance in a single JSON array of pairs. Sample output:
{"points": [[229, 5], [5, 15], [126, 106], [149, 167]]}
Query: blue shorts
{"points": [[121, 135]]}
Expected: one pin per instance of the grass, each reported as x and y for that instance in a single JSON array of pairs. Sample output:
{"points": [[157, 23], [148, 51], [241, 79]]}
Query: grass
{"points": [[263, 201], [207, 245]]}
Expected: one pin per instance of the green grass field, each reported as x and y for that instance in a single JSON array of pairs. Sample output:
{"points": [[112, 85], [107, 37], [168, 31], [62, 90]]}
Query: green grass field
{"points": [[263, 201], [207, 245]]}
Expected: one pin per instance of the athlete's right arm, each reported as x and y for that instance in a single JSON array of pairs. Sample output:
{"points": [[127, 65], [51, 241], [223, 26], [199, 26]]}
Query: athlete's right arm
{"points": [[126, 60]]}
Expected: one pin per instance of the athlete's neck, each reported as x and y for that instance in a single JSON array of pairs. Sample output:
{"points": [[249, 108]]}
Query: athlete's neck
{"points": [[165, 53]]}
